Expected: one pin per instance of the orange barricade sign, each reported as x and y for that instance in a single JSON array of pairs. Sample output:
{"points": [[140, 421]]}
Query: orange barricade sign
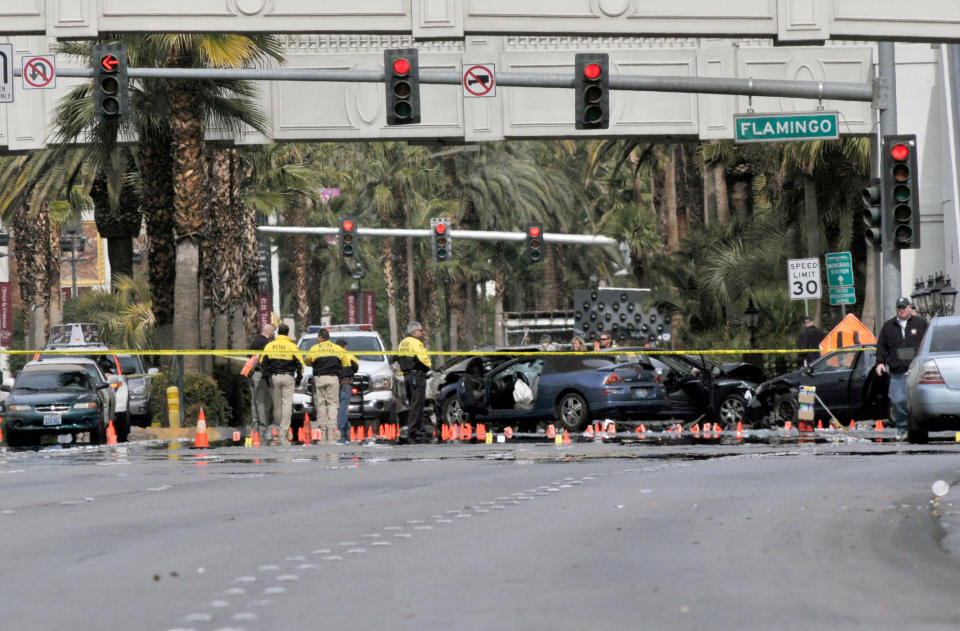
{"points": [[849, 332]]}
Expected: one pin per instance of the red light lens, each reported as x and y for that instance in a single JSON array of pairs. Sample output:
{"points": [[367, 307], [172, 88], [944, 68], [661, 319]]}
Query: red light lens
{"points": [[534, 231], [899, 152], [401, 67], [348, 226], [591, 71], [440, 228]]}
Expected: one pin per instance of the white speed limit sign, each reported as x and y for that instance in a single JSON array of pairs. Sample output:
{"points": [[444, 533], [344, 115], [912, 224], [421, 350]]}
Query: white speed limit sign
{"points": [[804, 275]]}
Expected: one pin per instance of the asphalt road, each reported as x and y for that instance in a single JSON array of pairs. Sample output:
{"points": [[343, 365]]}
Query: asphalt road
{"points": [[662, 535]]}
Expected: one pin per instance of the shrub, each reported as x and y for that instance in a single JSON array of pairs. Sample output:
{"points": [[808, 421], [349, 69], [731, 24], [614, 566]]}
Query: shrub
{"points": [[198, 391], [236, 390]]}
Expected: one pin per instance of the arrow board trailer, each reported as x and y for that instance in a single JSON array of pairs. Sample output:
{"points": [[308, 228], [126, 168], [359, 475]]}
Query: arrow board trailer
{"points": [[804, 277]]}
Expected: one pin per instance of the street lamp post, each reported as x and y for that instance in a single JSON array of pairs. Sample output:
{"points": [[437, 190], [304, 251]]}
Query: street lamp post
{"points": [[937, 298]]}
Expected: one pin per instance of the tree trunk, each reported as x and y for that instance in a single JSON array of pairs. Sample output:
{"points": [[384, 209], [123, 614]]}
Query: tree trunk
{"points": [[457, 293], [549, 290], [499, 287], [156, 166], [709, 197], [120, 255], [720, 191], [670, 198], [299, 265], [390, 287], [404, 315], [811, 219], [186, 297], [54, 293], [470, 314]]}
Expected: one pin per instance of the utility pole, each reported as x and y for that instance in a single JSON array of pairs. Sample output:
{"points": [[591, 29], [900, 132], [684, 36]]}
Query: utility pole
{"points": [[887, 104]]}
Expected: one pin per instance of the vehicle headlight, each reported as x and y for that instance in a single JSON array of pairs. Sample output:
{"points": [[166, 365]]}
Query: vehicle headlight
{"points": [[89, 405], [381, 383], [19, 408]]}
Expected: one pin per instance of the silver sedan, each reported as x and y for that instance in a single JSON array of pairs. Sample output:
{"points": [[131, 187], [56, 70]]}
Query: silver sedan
{"points": [[933, 381]]}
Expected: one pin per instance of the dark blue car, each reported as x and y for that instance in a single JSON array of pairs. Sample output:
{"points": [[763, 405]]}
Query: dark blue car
{"points": [[569, 390]]}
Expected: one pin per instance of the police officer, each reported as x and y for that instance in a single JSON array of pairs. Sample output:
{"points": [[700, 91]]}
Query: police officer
{"points": [[282, 369], [327, 359], [414, 362], [903, 330]]}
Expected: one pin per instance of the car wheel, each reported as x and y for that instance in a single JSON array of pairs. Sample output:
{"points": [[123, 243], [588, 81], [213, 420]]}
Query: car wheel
{"points": [[732, 410], [16, 439], [785, 408], [572, 412], [915, 434], [98, 433], [453, 413]]}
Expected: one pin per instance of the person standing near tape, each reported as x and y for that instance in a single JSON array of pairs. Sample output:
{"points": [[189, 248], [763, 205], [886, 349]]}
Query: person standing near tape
{"points": [[903, 331], [261, 399], [810, 337], [415, 363], [326, 358], [283, 369], [348, 368]]}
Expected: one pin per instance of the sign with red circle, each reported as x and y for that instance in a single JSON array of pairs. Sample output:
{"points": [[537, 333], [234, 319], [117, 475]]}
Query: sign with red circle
{"points": [[479, 80], [38, 71]]}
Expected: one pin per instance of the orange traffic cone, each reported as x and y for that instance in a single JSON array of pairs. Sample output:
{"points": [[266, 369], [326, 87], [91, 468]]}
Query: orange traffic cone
{"points": [[256, 439], [369, 432], [551, 431], [112, 433], [307, 431], [200, 440], [739, 428], [276, 434], [299, 433], [444, 432], [466, 432], [508, 432], [852, 425], [819, 424], [788, 426], [566, 437], [236, 436], [879, 426], [696, 429], [610, 429], [353, 433], [482, 431], [1, 430], [588, 433]]}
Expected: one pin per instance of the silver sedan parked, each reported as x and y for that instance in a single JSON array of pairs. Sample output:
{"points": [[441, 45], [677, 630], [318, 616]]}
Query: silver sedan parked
{"points": [[933, 381]]}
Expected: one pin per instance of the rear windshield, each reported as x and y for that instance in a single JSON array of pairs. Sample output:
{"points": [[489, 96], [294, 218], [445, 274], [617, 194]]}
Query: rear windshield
{"points": [[71, 381], [945, 339], [130, 365]]}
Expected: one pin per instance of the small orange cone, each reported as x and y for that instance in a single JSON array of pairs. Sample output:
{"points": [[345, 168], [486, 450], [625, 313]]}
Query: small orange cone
{"points": [[819, 424], [508, 432], [852, 425], [879, 426], [482, 431], [788, 426], [112, 433], [610, 429], [696, 429], [466, 432], [236, 436], [200, 440], [566, 437], [316, 434], [256, 439], [276, 434], [739, 428], [551, 431], [369, 432], [588, 433], [444, 432], [299, 433], [307, 431], [640, 431], [1, 429]]}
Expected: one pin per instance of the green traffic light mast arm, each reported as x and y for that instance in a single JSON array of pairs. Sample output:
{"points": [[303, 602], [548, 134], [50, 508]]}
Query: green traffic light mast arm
{"points": [[843, 91], [474, 235]]}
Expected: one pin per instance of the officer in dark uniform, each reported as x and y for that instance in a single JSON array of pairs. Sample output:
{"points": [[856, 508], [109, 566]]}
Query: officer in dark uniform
{"points": [[903, 330], [810, 337], [415, 363]]}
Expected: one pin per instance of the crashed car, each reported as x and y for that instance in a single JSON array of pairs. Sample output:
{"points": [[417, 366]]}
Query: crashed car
{"points": [[846, 384], [450, 371]]}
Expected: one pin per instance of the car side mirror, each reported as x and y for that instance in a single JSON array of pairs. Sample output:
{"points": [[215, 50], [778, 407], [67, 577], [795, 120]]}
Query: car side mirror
{"points": [[102, 385], [808, 370], [153, 371], [6, 388]]}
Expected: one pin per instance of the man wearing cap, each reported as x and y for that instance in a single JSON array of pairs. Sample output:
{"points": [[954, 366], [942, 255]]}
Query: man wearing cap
{"points": [[810, 337], [902, 331], [415, 363]]}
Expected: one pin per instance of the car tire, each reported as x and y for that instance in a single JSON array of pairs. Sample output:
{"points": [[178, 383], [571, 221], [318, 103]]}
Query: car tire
{"points": [[732, 410], [572, 413], [17, 439], [98, 434], [915, 434], [452, 413], [785, 409]]}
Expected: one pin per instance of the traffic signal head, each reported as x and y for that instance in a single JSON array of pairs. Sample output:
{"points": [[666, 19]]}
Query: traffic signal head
{"points": [[901, 188], [348, 236], [592, 91], [534, 240], [110, 90], [441, 245], [871, 197], [401, 68]]}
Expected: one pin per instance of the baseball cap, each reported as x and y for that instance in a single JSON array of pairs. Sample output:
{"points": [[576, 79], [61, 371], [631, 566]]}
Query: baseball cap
{"points": [[903, 302], [807, 319]]}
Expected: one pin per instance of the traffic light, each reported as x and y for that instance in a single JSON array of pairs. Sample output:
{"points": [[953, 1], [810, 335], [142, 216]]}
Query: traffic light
{"points": [[348, 236], [110, 90], [592, 91], [871, 196], [402, 69], [901, 189], [442, 250], [534, 242]]}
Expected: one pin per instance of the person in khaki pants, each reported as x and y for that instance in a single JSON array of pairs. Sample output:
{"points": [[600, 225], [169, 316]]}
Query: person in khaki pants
{"points": [[326, 358], [283, 369]]}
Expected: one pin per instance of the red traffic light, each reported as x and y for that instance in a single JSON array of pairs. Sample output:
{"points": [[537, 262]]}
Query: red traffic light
{"points": [[900, 152], [401, 67], [440, 228], [592, 71], [348, 226], [109, 63], [534, 231]]}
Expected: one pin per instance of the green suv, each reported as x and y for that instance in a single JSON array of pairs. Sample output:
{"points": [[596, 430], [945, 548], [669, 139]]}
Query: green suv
{"points": [[62, 399]]}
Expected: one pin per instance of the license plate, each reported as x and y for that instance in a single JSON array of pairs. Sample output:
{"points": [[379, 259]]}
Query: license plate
{"points": [[641, 393], [51, 419]]}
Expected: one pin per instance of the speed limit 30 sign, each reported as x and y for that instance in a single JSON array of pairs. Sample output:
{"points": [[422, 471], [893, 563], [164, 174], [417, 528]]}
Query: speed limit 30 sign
{"points": [[804, 275]]}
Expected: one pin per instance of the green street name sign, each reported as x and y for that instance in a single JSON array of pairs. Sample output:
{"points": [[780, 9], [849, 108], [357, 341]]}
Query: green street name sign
{"points": [[843, 296], [839, 269], [780, 127]]}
